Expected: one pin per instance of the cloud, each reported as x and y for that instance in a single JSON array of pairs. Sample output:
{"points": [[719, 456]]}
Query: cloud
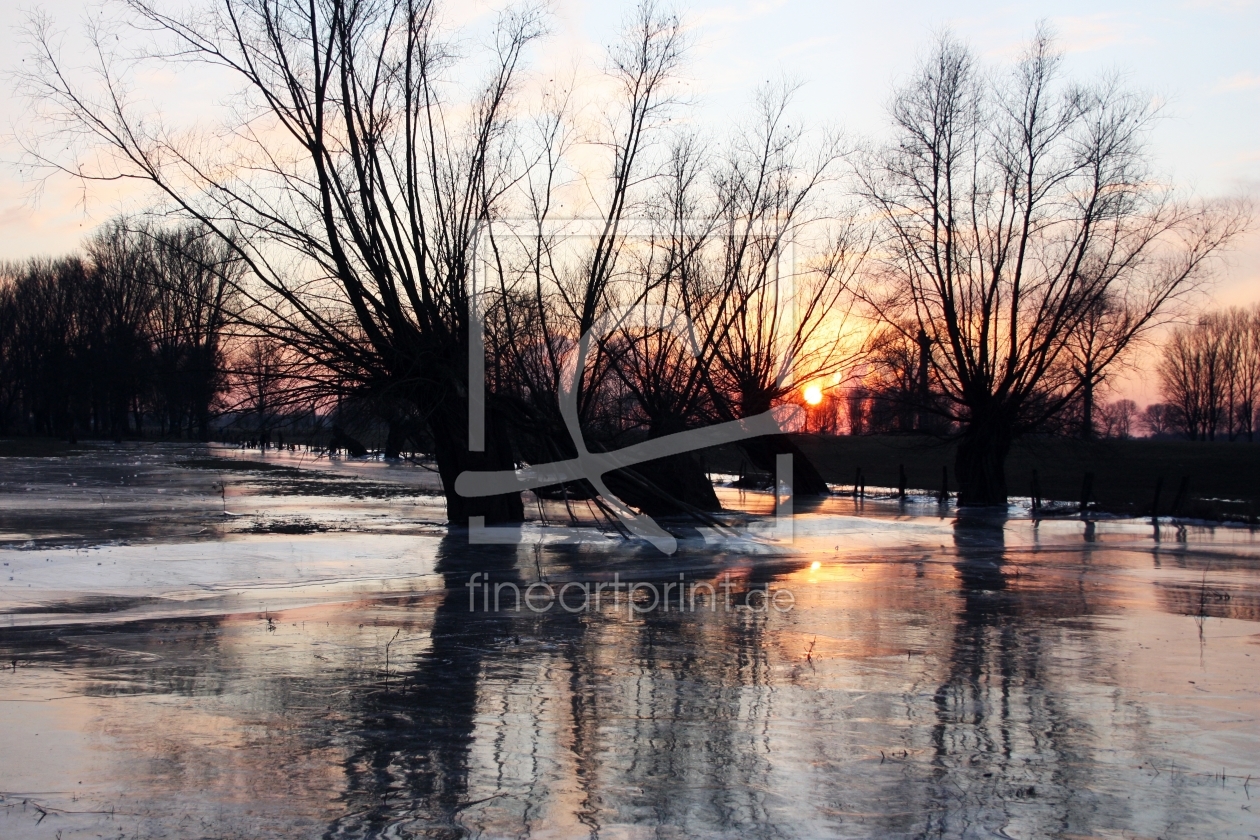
{"points": [[1223, 5], [1085, 34], [1239, 81], [737, 13]]}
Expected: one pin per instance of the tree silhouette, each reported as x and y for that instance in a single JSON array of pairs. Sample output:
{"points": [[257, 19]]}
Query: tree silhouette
{"points": [[1012, 212]]}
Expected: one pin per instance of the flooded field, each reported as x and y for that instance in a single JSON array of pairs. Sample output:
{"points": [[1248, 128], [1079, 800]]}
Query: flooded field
{"points": [[205, 642]]}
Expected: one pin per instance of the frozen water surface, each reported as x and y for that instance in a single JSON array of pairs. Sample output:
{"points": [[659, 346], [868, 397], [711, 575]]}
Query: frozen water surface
{"points": [[202, 642]]}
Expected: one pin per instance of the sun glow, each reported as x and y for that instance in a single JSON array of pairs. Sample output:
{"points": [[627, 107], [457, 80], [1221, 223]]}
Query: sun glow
{"points": [[813, 395]]}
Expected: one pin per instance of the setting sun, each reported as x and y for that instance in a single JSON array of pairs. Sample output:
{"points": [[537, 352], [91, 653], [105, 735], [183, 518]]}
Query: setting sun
{"points": [[813, 395]]}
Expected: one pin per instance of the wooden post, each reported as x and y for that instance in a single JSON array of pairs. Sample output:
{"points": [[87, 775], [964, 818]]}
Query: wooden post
{"points": [[1159, 488], [1036, 492], [901, 481], [1087, 490], [861, 484], [944, 485]]}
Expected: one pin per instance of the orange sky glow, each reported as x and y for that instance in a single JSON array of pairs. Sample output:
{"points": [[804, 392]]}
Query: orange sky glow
{"points": [[1198, 59]]}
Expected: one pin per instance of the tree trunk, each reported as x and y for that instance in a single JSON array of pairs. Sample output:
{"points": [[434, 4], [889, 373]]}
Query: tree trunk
{"points": [[665, 487], [980, 463], [806, 480], [923, 393], [118, 419], [394, 441], [1087, 402], [448, 424]]}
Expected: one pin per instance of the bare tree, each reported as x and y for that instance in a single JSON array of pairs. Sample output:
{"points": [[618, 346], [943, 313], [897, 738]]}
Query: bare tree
{"points": [[196, 276], [1192, 378], [1117, 418], [1243, 354], [1210, 373], [10, 390], [709, 313], [262, 374], [351, 177], [782, 312], [1101, 324], [122, 297], [555, 286], [1159, 419], [899, 380], [47, 351], [1011, 211]]}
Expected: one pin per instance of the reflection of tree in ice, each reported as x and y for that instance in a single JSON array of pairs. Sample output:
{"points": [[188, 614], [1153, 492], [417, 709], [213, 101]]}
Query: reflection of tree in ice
{"points": [[1013, 751], [703, 722], [971, 697], [694, 694], [409, 768]]}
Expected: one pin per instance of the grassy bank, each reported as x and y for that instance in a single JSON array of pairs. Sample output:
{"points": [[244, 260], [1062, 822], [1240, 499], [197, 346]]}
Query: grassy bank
{"points": [[35, 447], [1223, 478]]}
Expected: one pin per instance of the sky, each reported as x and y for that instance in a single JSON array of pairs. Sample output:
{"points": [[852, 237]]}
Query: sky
{"points": [[1197, 57]]}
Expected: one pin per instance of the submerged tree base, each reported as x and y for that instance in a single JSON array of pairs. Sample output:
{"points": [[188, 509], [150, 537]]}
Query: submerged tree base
{"points": [[980, 466], [672, 486], [764, 451]]}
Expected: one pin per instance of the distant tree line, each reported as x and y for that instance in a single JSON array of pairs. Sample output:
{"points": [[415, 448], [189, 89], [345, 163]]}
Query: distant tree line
{"points": [[1209, 376], [126, 338]]}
